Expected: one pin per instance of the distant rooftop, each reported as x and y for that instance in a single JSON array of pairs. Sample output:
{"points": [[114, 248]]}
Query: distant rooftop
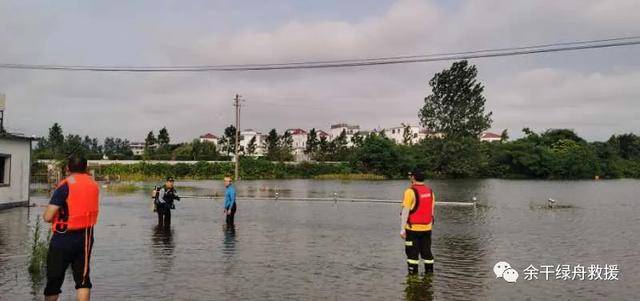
{"points": [[297, 131], [489, 135], [345, 125], [208, 136]]}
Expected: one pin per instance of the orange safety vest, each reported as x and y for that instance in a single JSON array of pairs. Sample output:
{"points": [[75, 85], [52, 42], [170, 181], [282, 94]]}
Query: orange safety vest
{"points": [[82, 204], [422, 211]]}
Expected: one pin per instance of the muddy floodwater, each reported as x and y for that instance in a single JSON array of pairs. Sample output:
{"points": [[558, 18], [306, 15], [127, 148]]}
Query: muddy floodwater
{"points": [[304, 250]]}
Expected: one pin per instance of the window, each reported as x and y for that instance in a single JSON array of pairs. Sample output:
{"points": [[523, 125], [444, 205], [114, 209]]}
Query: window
{"points": [[5, 170]]}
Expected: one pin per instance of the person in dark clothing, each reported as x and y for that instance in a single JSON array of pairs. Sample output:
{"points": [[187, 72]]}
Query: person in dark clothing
{"points": [[230, 206], [73, 212], [164, 202]]}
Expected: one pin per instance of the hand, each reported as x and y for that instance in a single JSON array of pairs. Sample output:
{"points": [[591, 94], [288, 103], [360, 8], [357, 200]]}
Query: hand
{"points": [[403, 234], [228, 212]]}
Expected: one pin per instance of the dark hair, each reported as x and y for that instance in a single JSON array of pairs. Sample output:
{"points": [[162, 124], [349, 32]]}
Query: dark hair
{"points": [[77, 164], [418, 174]]}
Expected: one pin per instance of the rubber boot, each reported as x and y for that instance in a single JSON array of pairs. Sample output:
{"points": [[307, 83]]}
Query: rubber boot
{"points": [[413, 269], [428, 268]]}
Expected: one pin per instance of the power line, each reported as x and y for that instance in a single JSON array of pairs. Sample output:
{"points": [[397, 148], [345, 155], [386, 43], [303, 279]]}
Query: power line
{"points": [[487, 53]]}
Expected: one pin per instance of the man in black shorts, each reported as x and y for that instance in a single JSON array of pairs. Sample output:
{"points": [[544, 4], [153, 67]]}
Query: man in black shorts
{"points": [[72, 211]]}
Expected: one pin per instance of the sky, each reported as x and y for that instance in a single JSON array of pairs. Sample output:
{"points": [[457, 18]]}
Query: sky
{"points": [[595, 92]]}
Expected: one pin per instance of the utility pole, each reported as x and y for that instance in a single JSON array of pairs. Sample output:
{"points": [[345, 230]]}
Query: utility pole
{"points": [[236, 104]]}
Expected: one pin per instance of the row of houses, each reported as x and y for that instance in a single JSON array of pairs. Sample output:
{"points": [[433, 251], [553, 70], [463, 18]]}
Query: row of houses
{"points": [[299, 136]]}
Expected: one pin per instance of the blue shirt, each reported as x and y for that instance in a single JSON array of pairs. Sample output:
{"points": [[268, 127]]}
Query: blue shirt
{"points": [[229, 197]]}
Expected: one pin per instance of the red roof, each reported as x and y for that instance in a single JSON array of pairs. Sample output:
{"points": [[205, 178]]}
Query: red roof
{"points": [[487, 135], [297, 131], [208, 136]]}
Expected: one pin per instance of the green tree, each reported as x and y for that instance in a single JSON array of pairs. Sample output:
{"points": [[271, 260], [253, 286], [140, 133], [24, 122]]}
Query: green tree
{"points": [[377, 155], [504, 137], [228, 140], [312, 142], [163, 138], [272, 145], [55, 142], [406, 135], [357, 139], [73, 145], [456, 106], [150, 143], [285, 151], [252, 146], [324, 150], [117, 148]]}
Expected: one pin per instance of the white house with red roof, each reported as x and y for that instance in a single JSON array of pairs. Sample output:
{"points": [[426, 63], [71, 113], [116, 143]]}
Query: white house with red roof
{"points": [[208, 137], [299, 138]]}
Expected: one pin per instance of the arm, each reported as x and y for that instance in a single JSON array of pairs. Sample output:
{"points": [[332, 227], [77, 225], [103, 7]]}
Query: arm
{"points": [[403, 219], [58, 199], [227, 199], [407, 203], [50, 213], [161, 194], [433, 209]]}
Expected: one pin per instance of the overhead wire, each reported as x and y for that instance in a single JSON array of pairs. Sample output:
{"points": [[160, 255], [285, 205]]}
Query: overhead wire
{"points": [[347, 63]]}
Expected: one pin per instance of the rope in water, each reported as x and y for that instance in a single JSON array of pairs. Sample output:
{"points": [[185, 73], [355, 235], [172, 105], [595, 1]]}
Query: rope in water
{"points": [[335, 200]]}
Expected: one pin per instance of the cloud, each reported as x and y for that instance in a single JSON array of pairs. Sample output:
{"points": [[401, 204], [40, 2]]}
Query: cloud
{"points": [[573, 89]]}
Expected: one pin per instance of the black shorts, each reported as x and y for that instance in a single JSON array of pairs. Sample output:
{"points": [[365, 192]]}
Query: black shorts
{"points": [[70, 248]]}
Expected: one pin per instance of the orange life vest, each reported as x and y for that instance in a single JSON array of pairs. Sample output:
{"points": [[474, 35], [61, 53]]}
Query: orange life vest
{"points": [[82, 204], [422, 211]]}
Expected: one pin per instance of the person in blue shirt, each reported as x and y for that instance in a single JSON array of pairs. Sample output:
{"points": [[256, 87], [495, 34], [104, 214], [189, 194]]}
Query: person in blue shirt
{"points": [[230, 206]]}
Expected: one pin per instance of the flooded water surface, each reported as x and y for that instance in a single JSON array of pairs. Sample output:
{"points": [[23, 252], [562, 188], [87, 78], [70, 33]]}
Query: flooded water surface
{"points": [[304, 250]]}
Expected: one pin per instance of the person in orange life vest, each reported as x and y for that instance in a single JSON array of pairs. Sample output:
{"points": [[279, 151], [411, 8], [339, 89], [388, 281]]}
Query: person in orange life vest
{"points": [[72, 212], [416, 222]]}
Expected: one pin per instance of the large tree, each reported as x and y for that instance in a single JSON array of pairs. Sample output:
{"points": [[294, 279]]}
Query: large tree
{"points": [[456, 107], [55, 142], [228, 140], [163, 138], [312, 142], [252, 146], [272, 144]]}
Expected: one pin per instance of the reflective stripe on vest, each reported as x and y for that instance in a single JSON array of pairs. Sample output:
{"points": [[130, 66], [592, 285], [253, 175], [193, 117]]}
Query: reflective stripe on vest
{"points": [[422, 211], [82, 204]]}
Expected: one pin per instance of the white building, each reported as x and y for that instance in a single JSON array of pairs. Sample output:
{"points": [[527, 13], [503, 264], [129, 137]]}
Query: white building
{"points": [[490, 137], [349, 129], [15, 170], [299, 139], [397, 134], [245, 139], [137, 148]]}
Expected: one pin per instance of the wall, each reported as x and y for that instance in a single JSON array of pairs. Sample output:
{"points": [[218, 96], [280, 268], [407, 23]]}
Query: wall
{"points": [[18, 190]]}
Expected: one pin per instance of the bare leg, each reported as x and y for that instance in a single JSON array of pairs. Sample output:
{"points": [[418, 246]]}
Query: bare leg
{"points": [[51, 298], [83, 294]]}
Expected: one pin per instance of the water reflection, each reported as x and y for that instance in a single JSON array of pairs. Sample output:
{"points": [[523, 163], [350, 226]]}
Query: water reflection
{"points": [[162, 249], [229, 248], [419, 288]]}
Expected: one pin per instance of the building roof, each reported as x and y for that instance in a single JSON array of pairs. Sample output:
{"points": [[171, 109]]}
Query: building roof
{"points": [[297, 131], [345, 125], [488, 135], [322, 133], [10, 136], [208, 136]]}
